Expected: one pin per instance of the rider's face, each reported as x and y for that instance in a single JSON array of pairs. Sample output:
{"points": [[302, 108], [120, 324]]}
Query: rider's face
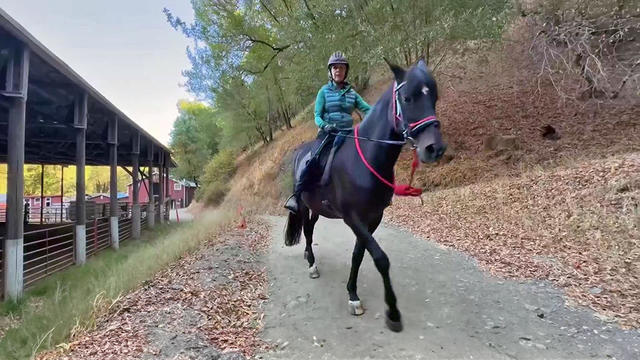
{"points": [[338, 72]]}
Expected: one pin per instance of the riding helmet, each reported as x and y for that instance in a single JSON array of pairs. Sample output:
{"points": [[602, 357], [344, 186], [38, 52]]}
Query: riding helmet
{"points": [[338, 58]]}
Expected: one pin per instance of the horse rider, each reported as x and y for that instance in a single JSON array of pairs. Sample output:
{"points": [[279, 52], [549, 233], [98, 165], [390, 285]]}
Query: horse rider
{"points": [[335, 102]]}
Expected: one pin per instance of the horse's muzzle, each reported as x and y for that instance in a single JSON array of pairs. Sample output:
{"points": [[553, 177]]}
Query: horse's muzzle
{"points": [[431, 153]]}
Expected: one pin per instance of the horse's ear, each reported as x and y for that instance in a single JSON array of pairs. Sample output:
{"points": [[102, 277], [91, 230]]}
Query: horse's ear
{"points": [[398, 72], [423, 65]]}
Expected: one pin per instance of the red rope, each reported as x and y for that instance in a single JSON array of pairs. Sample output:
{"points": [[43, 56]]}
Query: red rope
{"points": [[418, 123], [400, 190]]}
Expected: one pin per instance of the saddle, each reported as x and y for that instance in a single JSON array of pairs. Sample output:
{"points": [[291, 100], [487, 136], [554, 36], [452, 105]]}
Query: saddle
{"points": [[320, 161]]}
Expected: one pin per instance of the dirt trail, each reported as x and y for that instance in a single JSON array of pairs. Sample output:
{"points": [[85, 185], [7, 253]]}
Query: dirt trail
{"points": [[205, 306], [451, 309], [246, 295]]}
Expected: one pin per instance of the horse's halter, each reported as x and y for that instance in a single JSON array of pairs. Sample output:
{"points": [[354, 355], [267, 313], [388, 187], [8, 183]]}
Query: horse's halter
{"points": [[407, 129]]}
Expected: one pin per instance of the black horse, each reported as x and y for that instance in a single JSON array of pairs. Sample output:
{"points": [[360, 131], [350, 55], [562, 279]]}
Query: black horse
{"points": [[361, 181]]}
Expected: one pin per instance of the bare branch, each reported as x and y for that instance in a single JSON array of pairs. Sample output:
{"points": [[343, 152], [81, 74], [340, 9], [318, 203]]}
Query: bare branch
{"points": [[269, 11]]}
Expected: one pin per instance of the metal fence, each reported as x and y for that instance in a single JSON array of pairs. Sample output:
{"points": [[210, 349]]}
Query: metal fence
{"points": [[144, 216], [50, 248], [47, 251], [124, 232], [98, 235]]}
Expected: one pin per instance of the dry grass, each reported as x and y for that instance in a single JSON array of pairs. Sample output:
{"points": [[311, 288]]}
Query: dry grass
{"points": [[475, 104], [577, 226], [256, 184]]}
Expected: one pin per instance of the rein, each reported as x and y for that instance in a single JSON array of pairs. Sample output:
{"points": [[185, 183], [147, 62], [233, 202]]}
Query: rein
{"points": [[400, 190]]}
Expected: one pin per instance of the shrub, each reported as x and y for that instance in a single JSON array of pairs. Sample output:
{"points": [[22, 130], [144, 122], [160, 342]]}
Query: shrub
{"points": [[217, 174]]}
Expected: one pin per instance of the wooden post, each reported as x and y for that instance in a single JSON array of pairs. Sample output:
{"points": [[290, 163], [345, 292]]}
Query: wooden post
{"points": [[151, 209], [168, 191], [41, 193], [16, 94], [61, 194], [80, 124], [113, 182], [135, 211], [161, 184]]}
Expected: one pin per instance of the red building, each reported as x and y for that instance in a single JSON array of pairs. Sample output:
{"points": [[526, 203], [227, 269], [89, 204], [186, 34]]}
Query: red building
{"points": [[180, 192], [52, 208]]}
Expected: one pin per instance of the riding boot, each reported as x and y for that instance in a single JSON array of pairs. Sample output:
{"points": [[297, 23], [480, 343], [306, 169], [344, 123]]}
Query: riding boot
{"points": [[292, 203]]}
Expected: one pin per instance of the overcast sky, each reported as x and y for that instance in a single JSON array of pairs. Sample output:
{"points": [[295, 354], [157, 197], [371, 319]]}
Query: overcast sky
{"points": [[123, 48]]}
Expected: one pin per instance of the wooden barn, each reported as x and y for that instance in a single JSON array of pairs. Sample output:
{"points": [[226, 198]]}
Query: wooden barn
{"points": [[50, 115]]}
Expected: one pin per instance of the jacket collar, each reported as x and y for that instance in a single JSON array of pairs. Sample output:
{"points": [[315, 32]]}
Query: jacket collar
{"points": [[332, 85]]}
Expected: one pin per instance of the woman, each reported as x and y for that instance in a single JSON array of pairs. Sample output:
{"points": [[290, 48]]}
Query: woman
{"points": [[334, 104]]}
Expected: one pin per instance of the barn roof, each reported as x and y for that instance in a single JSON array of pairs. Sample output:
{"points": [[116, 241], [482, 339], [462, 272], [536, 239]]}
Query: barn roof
{"points": [[53, 87]]}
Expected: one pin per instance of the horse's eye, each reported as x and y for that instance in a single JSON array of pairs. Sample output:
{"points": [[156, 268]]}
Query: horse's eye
{"points": [[406, 99]]}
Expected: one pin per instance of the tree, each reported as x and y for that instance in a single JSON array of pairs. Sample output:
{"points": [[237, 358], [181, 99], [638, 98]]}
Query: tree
{"points": [[194, 138], [258, 62], [52, 181]]}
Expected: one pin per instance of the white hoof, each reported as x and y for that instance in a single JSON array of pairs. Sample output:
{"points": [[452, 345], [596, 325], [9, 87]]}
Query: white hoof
{"points": [[313, 272], [355, 308]]}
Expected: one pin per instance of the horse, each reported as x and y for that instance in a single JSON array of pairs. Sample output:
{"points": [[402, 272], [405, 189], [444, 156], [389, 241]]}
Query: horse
{"points": [[361, 179]]}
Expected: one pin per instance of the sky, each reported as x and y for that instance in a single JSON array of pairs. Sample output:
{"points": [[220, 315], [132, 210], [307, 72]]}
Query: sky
{"points": [[124, 48]]}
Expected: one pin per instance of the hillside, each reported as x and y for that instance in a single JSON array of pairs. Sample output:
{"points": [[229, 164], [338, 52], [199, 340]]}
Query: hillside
{"points": [[563, 209]]}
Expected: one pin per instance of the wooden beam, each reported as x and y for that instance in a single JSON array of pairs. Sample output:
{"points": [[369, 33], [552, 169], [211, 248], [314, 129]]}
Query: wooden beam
{"points": [[80, 123], [161, 185], [14, 240], [151, 210], [112, 139], [135, 211]]}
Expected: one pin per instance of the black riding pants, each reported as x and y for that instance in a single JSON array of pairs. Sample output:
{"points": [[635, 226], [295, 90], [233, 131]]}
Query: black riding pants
{"points": [[327, 138]]}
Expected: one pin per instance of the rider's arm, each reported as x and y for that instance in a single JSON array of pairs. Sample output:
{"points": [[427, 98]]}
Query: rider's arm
{"points": [[362, 105], [319, 110]]}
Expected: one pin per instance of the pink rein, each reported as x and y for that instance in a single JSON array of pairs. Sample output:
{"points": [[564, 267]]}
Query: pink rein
{"points": [[401, 189], [398, 189]]}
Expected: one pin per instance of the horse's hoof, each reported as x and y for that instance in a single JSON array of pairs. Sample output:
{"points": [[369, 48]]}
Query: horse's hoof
{"points": [[395, 326], [355, 308], [313, 272]]}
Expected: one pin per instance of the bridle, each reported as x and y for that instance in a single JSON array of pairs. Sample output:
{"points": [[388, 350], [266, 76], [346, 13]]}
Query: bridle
{"points": [[407, 129]]}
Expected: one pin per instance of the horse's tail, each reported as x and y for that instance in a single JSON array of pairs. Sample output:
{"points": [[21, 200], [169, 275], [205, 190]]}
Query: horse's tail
{"points": [[293, 230]]}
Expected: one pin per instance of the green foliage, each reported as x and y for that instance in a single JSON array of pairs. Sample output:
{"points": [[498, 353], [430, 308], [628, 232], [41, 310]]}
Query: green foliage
{"points": [[194, 138], [215, 181], [260, 62], [214, 193], [96, 179]]}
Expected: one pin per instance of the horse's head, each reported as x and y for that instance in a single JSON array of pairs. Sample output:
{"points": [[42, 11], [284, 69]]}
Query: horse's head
{"points": [[415, 96]]}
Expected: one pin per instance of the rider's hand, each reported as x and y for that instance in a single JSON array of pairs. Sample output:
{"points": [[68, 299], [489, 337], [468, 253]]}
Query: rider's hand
{"points": [[329, 128]]}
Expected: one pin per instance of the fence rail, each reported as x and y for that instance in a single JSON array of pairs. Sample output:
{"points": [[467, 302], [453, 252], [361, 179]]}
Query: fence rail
{"points": [[47, 251], [98, 235], [50, 248], [124, 226]]}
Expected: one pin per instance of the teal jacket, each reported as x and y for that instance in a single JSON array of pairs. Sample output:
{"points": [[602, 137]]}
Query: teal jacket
{"points": [[334, 106]]}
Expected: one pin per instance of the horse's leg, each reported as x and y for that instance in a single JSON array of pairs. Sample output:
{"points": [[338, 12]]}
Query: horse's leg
{"points": [[355, 306], [308, 251], [381, 260]]}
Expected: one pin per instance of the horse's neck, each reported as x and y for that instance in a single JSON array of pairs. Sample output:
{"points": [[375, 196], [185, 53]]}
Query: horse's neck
{"points": [[379, 125]]}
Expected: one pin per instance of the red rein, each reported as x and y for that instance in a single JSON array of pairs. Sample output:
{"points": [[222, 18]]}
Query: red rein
{"points": [[400, 189]]}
